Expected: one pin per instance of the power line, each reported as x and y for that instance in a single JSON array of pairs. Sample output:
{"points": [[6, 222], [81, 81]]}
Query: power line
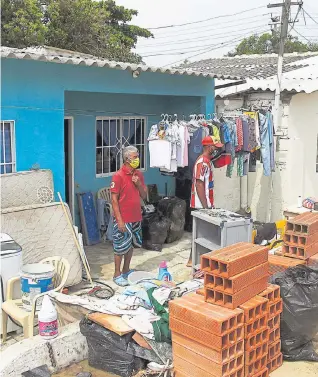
{"points": [[207, 19], [188, 41], [197, 30], [310, 17]]}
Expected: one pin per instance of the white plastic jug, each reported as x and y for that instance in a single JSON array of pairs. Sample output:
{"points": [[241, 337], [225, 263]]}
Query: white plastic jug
{"points": [[48, 326]]}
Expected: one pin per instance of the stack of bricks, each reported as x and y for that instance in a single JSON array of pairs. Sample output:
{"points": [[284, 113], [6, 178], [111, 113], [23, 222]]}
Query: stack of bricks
{"points": [[234, 274], [300, 244], [275, 308], [207, 340]]}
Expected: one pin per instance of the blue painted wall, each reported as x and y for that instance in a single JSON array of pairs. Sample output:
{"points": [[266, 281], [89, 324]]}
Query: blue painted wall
{"points": [[37, 96]]}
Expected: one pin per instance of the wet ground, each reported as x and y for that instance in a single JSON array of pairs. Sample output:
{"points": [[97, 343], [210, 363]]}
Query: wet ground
{"points": [[73, 370]]}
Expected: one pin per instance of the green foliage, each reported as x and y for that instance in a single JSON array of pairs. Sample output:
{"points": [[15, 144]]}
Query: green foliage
{"points": [[99, 28], [269, 43]]}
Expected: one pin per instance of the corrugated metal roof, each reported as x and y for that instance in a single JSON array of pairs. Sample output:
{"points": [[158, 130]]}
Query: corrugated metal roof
{"points": [[249, 66], [54, 55], [300, 79]]}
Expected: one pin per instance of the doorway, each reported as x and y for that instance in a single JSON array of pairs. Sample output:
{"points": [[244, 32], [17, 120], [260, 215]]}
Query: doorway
{"points": [[69, 162]]}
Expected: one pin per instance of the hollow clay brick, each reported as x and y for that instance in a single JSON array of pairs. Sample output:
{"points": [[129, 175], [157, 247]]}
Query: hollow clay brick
{"points": [[200, 292], [262, 373], [257, 325], [219, 357], [234, 259], [306, 223], [274, 322], [218, 370], [191, 370], [280, 264], [272, 293], [257, 339], [303, 252], [313, 261], [203, 337], [274, 349], [275, 308], [274, 335], [238, 282], [256, 353], [233, 301], [192, 309], [275, 363], [300, 239], [257, 366], [254, 308]]}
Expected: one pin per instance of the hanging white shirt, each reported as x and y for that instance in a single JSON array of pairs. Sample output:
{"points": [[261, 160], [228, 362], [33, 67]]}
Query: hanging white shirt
{"points": [[160, 154]]}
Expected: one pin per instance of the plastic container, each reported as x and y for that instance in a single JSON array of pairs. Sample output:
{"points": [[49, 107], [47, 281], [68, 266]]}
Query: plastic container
{"points": [[48, 326], [299, 202], [164, 274], [35, 279]]}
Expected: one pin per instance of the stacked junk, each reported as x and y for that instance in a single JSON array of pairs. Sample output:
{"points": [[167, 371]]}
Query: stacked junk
{"points": [[231, 328]]}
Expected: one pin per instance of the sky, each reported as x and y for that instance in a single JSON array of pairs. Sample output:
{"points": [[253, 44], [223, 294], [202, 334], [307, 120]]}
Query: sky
{"points": [[217, 26]]}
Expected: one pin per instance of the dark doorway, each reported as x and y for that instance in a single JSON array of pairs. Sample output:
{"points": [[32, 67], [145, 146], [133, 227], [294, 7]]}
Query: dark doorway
{"points": [[68, 160]]}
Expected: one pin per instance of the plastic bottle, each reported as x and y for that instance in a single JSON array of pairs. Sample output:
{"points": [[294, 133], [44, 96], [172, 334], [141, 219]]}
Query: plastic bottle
{"points": [[299, 202], [48, 326], [164, 274]]}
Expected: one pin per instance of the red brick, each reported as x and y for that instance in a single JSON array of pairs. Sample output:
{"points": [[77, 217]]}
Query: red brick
{"points": [[275, 363], [218, 370], [233, 301], [238, 282], [234, 259], [274, 349], [256, 339], [274, 335], [274, 322], [259, 324], [280, 264], [207, 339], [275, 308], [200, 292], [262, 373], [306, 223], [254, 308], [313, 261], [300, 239], [217, 356], [272, 293], [192, 309], [256, 353], [191, 370], [253, 368], [303, 252]]}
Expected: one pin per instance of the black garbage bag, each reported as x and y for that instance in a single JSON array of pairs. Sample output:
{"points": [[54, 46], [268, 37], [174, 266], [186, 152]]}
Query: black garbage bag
{"points": [[108, 351], [299, 320], [174, 209], [155, 228]]}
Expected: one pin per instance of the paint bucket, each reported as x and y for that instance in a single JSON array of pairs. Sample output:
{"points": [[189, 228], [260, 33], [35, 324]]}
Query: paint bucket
{"points": [[35, 279]]}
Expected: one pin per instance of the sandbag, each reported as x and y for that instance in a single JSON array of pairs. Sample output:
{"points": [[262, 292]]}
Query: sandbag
{"points": [[155, 228], [174, 209], [299, 320], [108, 351]]}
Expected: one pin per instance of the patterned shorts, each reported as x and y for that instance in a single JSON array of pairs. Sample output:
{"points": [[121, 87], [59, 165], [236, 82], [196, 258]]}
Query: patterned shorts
{"points": [[124, 242]]}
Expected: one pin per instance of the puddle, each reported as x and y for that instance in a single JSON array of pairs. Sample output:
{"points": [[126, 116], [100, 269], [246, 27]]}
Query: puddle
{"points": [[83, 366]]}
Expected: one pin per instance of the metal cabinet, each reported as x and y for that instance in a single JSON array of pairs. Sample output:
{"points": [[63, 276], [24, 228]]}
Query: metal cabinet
{"points": [[216, 228]]}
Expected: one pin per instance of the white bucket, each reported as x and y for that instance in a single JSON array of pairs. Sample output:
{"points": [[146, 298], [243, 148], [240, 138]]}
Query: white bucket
{"points": [[35, 279]]}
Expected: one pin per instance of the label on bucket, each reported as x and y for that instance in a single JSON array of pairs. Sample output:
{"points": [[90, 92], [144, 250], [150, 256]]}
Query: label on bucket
{"points": [[48, 329], [31, 287]]}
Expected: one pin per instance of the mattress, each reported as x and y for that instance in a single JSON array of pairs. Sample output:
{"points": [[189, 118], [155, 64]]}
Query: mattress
{"points": [[20, 189], [42, 231]]}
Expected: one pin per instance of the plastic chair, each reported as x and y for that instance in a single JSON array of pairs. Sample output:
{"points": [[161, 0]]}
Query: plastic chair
{"points": [[14, 308], [105, 194]]}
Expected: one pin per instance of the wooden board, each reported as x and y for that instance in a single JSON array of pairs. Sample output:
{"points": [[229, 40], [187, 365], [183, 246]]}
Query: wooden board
{"points": [[111, 322], [140, 340]]}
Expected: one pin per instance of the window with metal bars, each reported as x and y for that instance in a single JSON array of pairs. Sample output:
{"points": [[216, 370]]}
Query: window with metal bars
{"points": [[7, 147], [112, 135]]}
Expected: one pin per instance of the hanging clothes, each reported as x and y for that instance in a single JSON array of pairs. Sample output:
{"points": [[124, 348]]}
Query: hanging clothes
{"points": [[265, 143], [239, 131]]}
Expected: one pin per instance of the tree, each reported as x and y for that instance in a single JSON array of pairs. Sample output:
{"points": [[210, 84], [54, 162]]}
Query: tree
{"points": [[99, 28], [269, 43]]}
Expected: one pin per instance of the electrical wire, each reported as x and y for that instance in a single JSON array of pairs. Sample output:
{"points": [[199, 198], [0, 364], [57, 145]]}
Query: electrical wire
{"points": [[207, 45], [207, 19], [312, 18], [187, 40]]}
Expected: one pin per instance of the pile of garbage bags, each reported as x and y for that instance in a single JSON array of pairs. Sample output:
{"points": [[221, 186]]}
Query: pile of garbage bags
{"points": [[166, 225]]}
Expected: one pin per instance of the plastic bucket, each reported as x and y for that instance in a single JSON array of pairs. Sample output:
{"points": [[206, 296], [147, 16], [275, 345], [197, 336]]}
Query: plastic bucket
{"points": [[35, 279]]}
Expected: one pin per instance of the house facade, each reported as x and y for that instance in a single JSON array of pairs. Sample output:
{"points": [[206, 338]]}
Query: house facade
{"points": [[73, 114]]}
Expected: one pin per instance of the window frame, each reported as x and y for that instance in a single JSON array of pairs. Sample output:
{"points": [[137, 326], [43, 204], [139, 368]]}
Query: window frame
{"points": [[13, 162], [121, 119]]}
